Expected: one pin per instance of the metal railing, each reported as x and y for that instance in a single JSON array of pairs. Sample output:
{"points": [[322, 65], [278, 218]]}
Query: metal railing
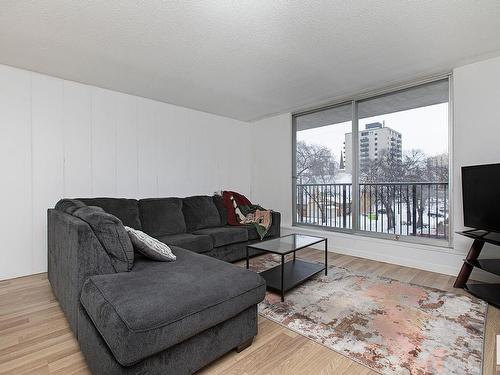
{"points": [[398, 208]]}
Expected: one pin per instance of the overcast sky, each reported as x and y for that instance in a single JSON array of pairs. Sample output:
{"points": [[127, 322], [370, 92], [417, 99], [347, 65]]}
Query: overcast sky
{"points": [[424, 128]]}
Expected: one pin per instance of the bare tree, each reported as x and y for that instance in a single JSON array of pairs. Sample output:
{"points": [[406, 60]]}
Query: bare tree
{"points": [[386, 168], [315, 164], [422, 168], [415, 167], [436, 168]]}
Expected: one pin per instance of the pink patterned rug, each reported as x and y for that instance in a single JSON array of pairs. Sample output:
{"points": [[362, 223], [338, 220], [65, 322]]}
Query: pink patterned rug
{"points": [[390, 326]]}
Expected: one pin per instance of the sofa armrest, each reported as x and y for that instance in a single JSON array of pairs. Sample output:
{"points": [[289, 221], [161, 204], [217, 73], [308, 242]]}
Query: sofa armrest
{"points": [[74, 254], [275, 229]]}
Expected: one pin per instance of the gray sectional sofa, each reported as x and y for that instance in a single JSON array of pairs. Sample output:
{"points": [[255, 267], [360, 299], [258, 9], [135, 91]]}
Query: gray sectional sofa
{"points": [[148, 317]]}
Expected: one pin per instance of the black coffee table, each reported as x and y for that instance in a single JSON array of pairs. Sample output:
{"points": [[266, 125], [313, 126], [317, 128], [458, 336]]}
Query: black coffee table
{"points": [[288, 275]]}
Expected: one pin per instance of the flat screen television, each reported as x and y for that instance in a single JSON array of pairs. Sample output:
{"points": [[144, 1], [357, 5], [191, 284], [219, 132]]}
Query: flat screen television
{"points": [[481, 196]]}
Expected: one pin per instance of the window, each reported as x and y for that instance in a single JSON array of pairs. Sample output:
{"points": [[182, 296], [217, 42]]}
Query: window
{"points": [[323, 161], [396, 184]]}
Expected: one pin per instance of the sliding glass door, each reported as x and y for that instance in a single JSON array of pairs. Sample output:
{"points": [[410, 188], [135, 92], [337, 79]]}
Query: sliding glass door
{"points": [[395, 184]]}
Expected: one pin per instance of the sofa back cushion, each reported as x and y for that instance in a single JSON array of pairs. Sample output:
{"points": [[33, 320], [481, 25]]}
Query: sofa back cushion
{"points": [[200, 212], [127, 210], [219, 203], [112, 235], [69, 205], [162, 216]]}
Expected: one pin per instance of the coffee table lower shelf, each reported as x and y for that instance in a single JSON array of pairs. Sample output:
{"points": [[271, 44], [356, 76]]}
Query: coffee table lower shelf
{"points": [[295, 272]]}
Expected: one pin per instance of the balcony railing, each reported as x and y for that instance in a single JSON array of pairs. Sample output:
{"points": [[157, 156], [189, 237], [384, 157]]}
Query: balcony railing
{"points": [[397, 208]]}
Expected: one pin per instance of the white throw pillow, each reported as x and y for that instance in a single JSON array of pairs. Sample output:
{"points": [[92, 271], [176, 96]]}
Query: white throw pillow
{"points": [[149, 246]]}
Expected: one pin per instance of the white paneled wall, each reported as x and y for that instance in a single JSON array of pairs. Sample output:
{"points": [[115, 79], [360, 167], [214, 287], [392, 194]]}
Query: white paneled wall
{"points": [[47, 160], [64, 139], [77, 130], [16, 199]]}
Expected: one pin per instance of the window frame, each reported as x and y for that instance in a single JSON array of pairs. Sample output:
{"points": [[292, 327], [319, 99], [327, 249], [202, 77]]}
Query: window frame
{"points": [[353, 101]]}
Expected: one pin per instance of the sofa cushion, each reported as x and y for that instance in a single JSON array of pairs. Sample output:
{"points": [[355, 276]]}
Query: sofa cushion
{"points": [[193, 242], [225, 235], [219, 203], [69, 205], [160, 304], [200, 212], [162, 216], [112, 235], [127, 210]]}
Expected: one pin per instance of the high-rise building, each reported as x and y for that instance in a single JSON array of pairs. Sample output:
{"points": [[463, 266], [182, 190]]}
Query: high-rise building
{"points": [[373, 141]]}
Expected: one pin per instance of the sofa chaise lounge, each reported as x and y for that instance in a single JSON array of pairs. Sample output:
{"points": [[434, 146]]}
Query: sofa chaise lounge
{"points": [[155, 317]]}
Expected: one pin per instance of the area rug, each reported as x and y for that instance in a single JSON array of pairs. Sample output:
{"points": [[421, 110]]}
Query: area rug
{"points": [[390, 326]]}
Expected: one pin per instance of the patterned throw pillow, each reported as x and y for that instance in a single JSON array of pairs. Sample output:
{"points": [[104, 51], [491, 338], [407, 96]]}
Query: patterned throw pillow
{"points": [[149, 246]]}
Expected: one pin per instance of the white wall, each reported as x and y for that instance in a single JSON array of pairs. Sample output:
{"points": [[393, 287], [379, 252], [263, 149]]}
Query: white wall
{"points": [[476, 140], [272, 166], [477, 130], [63, 139]]}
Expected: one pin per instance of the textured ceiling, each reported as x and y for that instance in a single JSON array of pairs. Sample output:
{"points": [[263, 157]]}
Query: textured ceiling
{"points": [[250, 58]]}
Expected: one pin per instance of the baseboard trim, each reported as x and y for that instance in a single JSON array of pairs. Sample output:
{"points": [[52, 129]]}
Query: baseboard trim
{"points": [[453, 260], [422, 265]]}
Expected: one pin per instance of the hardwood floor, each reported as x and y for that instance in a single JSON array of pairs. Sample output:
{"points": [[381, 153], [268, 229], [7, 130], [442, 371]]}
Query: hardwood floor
{"points": [[35, 337]]}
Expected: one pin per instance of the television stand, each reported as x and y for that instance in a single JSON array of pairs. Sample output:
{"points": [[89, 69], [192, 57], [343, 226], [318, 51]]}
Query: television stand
{"points": [[487, 292]]}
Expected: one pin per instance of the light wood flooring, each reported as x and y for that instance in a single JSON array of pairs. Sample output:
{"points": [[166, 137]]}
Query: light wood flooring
{"points": [[35, 337]]}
